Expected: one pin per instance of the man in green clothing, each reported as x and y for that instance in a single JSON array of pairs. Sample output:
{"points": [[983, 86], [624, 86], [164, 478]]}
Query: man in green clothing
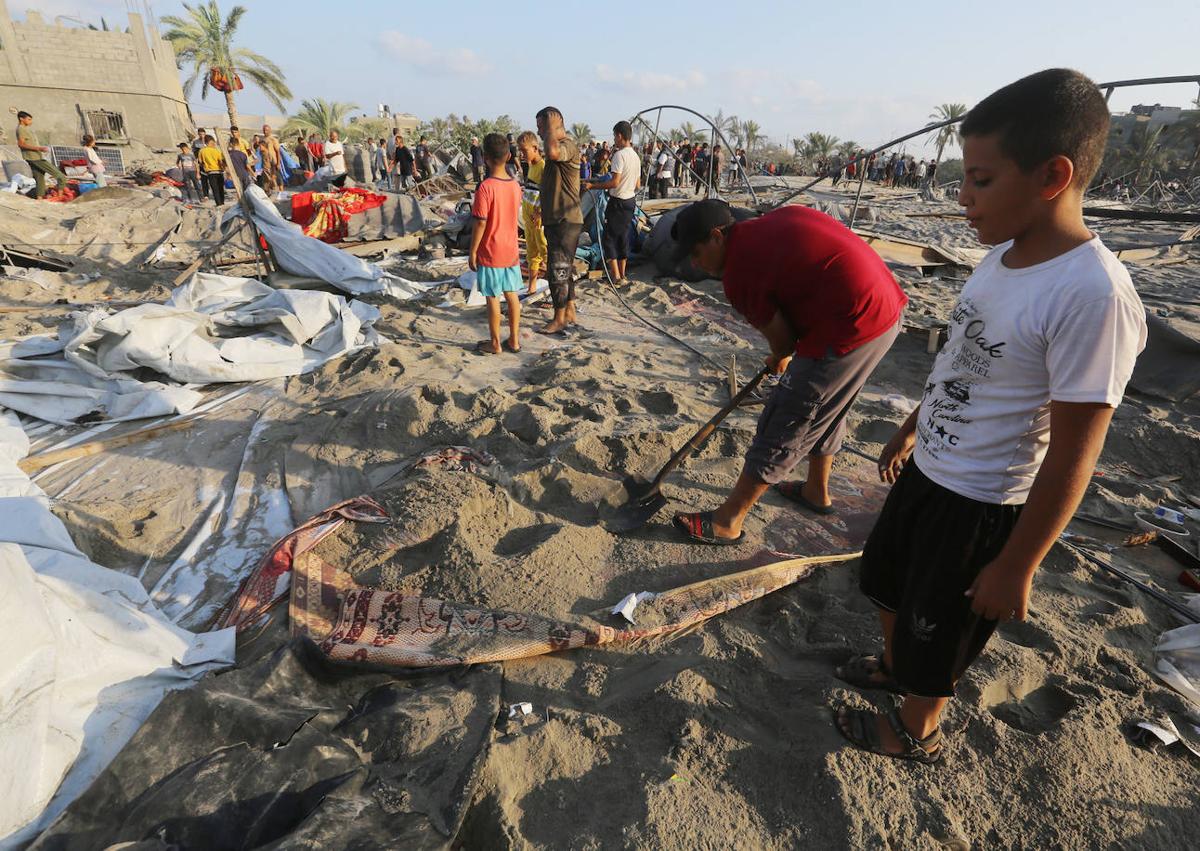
{"points": [[31, 151]]}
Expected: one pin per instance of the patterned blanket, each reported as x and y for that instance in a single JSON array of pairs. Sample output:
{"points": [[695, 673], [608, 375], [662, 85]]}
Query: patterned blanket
{"points": [[353, 623]]}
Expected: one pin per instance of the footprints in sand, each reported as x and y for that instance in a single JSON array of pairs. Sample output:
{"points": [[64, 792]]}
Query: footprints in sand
{"points": [[1034, 712], [1028, 634]]}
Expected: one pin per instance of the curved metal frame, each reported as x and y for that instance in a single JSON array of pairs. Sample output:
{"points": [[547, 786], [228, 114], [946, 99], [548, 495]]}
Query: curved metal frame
{"points": [[716, 132]]}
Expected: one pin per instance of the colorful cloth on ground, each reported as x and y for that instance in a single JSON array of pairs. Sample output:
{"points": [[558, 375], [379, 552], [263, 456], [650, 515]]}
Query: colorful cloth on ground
{"points": [[352, 623], [326, 215], [461, 459]]}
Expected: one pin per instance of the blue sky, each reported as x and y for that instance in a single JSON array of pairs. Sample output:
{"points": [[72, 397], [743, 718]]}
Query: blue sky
{"points": [[868, 74]]}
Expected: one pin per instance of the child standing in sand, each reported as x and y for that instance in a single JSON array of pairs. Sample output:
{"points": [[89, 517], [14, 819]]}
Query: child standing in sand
{"points": [[1042, 341], [531, 206], [495, 257]]}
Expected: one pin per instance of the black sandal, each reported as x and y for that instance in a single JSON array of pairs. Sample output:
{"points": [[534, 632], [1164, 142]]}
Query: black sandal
{"points": [[699, 528], [862, 730], [860, 670], [794, 492]]}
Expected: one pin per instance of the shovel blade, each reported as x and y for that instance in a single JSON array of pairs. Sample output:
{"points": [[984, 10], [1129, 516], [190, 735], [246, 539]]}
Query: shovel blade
{"points": [[637, 511]]}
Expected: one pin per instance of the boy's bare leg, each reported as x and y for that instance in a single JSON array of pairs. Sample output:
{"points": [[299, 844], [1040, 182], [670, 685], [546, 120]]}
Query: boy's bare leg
{"points": [[816, 486], [728, 519], [614, 270], [514, 321], [569, 314], [493, 309], [622, 264]]}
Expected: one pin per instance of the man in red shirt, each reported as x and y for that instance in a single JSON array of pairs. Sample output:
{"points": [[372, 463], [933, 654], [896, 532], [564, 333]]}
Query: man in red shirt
{"points": [[830, 310]]}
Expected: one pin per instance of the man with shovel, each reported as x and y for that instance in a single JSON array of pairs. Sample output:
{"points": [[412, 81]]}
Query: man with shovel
{"points": [[830, 310]]}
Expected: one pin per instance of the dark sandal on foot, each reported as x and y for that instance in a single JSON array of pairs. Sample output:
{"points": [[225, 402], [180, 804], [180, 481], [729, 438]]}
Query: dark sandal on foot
{"points": [[484, 347], [793, 491], [699, 528], [862, 730], [861, 670], [516, 350]]}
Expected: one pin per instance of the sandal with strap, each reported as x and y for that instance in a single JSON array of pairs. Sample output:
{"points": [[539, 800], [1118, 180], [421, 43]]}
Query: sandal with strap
{"points": [[861, 672], [794, 492], [861, 729], [698, 527]]}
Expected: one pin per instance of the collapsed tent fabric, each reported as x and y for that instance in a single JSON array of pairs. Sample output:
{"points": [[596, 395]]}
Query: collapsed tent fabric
{"points": [[361, 625], [215, 328], [290, 752], [88, 656], [308, 257]]}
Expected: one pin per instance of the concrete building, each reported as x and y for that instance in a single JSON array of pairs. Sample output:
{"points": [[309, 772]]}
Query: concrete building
{"points": [[121, 87], [247, 123]]}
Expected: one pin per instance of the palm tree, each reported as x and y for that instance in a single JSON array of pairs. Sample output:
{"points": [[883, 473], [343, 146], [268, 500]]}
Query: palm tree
{"points": [[820, 146], [690, 132], [727, 124], [751, 134], [951, 132], [1146, 154], [202, 39], [848, 150], [581, 132], [319, 116]]}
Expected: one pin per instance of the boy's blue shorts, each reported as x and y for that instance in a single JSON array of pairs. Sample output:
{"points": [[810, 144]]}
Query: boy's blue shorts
{"points": [[494, 282]]}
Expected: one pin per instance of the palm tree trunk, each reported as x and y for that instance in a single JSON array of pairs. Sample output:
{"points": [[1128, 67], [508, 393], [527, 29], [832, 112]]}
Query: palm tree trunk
{"points": [[232, 109], [938, 161]]}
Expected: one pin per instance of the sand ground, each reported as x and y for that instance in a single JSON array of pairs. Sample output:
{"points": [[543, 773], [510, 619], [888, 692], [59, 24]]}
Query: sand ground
{"points": [[720, 737]]}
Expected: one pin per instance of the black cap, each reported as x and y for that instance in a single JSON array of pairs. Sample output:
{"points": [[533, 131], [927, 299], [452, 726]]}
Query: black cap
{"points": [[696, 221]]}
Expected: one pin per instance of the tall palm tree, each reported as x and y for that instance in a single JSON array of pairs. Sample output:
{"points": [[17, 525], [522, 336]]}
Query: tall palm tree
{"points": [[727, 124], [751, 135], [1146, 154], [203, 39], [581, 132], [951, 132], [319, 116]]}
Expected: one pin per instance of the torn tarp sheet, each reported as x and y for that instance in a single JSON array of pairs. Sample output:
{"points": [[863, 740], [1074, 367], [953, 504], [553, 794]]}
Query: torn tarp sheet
{"points": [[212, 329], [289, 752], [87, 655], [308, 257]]}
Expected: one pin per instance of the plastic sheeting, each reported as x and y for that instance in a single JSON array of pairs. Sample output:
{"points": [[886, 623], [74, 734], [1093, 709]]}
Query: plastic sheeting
{"points": [[214, 328], [308, 257], [87, 655], [290, 752]]}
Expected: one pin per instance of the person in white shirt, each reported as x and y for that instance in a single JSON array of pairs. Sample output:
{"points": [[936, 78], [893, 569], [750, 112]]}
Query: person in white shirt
{"points": [[665, 169], [1042, 342], [95, 165], [622, 184], [335, 156]]}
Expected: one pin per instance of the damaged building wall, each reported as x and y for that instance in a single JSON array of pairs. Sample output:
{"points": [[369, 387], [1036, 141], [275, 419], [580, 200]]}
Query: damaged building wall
{"points": [[122, 87]]}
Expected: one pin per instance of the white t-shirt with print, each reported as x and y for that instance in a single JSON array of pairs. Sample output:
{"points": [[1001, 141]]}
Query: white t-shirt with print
{"points": [[1067, 330], [628, 166], [337, 159]]}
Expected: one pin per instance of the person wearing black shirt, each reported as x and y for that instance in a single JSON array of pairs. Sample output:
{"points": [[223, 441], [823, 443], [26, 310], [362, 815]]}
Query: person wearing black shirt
{"points": [[402, 164]]}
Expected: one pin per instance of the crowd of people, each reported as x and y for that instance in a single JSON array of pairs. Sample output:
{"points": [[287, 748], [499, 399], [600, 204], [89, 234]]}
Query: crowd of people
{"points": [[897, 170]]}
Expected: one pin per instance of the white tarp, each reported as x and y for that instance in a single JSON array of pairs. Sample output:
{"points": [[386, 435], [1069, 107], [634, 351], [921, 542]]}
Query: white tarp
{"points": [[303, 255], [87, 656], [215, 328]]}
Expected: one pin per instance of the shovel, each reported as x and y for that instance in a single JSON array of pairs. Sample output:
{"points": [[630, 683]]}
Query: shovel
{"points": [[645, 498]]}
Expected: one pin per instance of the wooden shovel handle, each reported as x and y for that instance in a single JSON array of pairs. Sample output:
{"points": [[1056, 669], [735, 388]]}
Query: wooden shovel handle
{"points": [[709, 427]]}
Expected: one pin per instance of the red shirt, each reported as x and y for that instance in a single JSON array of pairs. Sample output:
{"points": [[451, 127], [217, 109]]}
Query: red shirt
{"points": [[498, 203], [829, 284]]}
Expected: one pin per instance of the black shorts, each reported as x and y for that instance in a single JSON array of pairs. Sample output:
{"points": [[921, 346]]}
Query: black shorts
{"points": [[562, 239], [924, 553], [618, 218]]}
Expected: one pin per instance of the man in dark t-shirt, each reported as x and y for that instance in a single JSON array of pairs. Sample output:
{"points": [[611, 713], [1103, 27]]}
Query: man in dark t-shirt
{"points": [[562, 217], [829, 309]]}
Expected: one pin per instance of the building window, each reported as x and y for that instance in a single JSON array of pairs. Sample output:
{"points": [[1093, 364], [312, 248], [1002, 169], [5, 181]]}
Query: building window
{"points": [[106, 125]]}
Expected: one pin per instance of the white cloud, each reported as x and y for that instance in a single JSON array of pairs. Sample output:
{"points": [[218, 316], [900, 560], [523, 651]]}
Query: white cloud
{"points": [[424, 56], [648, 81]]}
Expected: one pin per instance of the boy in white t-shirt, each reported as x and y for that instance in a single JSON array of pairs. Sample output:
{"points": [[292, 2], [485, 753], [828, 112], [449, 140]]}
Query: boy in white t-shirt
{"points": [[335, 156], [1014, 414]]}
